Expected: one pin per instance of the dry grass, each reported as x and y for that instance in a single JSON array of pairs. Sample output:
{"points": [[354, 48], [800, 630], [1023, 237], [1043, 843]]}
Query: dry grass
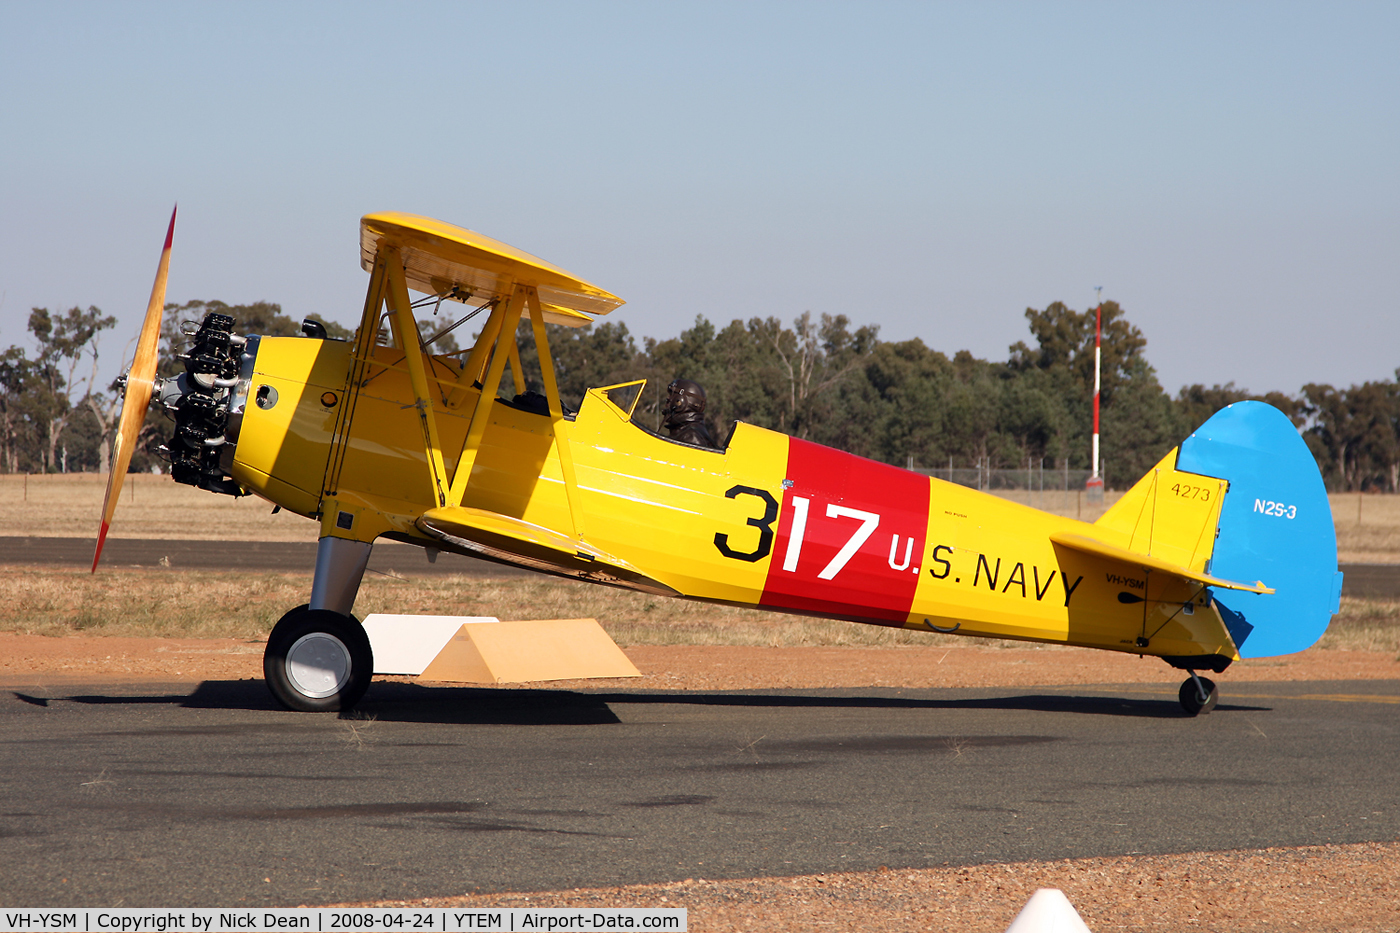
{"points": [[1368, 527], [1071, 504], [1365, 625], [155, 602], [70, 506], [171, 603], [146, 603]]}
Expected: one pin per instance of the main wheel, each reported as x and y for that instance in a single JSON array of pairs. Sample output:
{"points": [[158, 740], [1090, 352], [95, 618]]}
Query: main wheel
{"points": [[1191, 699], [318, 661]]}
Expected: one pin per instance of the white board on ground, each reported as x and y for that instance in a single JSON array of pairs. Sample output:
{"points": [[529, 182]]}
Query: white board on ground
{"points": [[407, 644]]}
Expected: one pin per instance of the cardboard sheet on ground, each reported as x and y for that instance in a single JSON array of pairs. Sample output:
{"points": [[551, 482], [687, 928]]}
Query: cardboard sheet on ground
{"points": [[484, 650]]}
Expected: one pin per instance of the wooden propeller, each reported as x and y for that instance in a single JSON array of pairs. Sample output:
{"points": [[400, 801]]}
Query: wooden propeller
{"points": [[140, 382]]}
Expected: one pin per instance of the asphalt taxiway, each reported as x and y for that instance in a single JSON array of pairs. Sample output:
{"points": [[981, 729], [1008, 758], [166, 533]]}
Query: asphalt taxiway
{"points": [[388, 557], [207, 795]]}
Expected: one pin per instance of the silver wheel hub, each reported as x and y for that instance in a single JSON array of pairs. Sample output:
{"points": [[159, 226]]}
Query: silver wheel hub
{"points": [[318, 665]]}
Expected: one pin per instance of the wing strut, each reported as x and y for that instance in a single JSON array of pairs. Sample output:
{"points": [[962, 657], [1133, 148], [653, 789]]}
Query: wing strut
{"points": [[361, 355], [413, 352], [509, 320], [475, 369], [556, 411], [498, 339]]}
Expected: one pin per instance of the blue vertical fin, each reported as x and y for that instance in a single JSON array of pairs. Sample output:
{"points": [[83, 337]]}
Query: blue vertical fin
{"points": [[1275, 526]]}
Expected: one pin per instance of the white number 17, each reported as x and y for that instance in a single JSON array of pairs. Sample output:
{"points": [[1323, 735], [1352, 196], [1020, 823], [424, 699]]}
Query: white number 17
{"points": [[869, 521]]}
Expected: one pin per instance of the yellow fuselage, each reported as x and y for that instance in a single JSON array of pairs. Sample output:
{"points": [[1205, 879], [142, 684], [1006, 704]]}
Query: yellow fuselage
{"points": [[770, 521]]}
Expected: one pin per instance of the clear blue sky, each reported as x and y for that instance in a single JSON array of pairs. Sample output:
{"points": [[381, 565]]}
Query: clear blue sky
{"points": [[1229, 173]]}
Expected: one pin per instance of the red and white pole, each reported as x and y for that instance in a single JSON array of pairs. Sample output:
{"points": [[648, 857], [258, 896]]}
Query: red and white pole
{"points": [[1095, 484], [1098, 369]]}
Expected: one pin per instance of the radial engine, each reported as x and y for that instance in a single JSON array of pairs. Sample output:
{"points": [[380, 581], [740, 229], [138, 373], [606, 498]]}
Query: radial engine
{"points": [[206, 402]]}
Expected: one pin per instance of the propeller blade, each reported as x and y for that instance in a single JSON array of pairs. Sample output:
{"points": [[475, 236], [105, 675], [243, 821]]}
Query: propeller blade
{"points": [[140, 382]]}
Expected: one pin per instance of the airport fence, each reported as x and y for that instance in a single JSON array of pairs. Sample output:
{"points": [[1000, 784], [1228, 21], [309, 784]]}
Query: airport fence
{"points": [[1031, 479], [1061, 491]]}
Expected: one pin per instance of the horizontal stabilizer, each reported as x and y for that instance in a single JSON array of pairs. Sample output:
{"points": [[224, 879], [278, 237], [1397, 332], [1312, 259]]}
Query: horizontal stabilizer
{"points": [[1088, 545], [510, 540]]}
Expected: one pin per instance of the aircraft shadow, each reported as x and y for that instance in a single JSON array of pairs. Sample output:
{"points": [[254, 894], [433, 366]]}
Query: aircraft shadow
{"points": [[1038, 703], [406, 702]]}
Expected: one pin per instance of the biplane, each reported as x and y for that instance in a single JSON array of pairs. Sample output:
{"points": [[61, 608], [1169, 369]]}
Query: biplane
{"points": [[1225, 550]]}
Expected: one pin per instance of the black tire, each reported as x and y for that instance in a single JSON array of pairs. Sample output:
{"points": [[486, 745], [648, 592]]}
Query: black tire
{"points": [[318, 661], [1190, 696]]}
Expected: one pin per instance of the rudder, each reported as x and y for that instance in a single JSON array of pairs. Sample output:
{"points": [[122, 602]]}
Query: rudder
{"points": [[1275, 526]]}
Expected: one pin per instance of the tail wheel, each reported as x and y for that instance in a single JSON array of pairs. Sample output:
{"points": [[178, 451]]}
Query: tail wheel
{"points": [[1198, 698], [318, 661]]}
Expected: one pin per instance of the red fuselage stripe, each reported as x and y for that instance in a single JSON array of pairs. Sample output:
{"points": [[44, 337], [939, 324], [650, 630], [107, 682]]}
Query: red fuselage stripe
{"points": [[850, 536]]}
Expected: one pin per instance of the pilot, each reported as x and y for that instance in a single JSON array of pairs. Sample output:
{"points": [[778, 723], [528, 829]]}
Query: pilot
{"points": [[685, 414]]}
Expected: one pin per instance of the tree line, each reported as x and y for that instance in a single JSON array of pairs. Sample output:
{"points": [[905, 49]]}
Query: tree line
{"points": [[823, 379]]}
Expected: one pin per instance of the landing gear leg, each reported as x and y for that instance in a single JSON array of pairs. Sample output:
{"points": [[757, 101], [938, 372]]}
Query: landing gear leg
{"points": [[340, 566], [318, 656], [1198, 695]]}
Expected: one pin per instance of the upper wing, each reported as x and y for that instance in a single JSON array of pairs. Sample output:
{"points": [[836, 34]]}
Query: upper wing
{"points": [[437, 256]]}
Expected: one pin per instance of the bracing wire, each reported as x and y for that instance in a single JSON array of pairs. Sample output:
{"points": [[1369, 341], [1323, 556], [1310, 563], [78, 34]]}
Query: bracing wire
{"points": [[449, 329]]}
